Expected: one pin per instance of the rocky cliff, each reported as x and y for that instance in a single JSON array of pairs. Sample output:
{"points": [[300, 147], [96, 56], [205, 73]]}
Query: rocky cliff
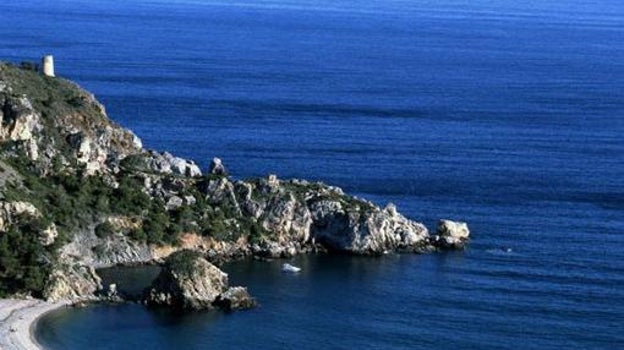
{"points": [[78, 191]]}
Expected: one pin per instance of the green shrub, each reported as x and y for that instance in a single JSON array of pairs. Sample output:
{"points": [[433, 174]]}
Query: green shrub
{"points": [[133, 162], [257, 233], [138, 234], [155, 226], [30, 66], [24, 261], [128, 198], [183, 261]]}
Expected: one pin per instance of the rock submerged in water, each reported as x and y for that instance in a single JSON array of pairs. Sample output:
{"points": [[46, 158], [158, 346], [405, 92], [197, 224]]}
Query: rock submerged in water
{"points": [[189, 282], [452, 234], [235, 298]]}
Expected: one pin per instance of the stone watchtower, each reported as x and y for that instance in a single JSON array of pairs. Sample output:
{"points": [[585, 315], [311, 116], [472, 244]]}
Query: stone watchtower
{"points": [[47, 65]]}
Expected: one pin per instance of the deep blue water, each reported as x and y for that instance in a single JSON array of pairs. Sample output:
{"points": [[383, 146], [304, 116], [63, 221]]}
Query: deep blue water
{"points": [[509, 115]]}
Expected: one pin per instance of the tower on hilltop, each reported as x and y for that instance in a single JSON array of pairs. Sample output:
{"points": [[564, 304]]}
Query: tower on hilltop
{"points": [[47, 65]]}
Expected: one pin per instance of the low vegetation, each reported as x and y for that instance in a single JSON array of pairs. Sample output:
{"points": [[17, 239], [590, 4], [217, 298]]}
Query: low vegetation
{"points": [[183, 262], [24, 262]]}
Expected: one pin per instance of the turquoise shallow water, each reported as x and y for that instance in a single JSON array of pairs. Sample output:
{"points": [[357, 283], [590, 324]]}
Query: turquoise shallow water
{"points": [[506, 115]]}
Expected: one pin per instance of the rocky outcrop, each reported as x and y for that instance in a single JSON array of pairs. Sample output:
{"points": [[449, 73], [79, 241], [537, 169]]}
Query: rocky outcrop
{"points": [[15, 213], [452, 234], [72, 281], [53, 120], [20, 121], [373, 231], [48, 235], [118, 249], [166, 163], [189, 282], [302, 215], [11, 212], [235, 298], [217, 167]]}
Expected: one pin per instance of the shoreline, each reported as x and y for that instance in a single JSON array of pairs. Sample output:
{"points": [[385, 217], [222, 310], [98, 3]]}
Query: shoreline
{"points": [[18, 318]]}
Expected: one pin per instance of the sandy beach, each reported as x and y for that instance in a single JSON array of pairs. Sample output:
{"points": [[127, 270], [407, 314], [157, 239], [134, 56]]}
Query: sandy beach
{"points": [[17, 316]]}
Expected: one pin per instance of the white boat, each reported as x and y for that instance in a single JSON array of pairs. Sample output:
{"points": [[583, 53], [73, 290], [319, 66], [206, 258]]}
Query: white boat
{"points": [[290, 268]]}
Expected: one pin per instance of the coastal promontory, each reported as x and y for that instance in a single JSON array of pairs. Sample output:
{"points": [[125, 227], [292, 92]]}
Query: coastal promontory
{"points": [[79, 192]]}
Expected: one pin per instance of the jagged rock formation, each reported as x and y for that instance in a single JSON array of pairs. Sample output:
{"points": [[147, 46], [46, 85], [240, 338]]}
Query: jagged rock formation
{"points": [[217, 167], [92, 196], [72, 281], [190, 282], [452, 234]]}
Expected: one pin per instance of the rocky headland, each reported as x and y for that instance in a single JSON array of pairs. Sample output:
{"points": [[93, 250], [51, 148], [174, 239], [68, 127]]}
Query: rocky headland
{"points": [[79, 192]]}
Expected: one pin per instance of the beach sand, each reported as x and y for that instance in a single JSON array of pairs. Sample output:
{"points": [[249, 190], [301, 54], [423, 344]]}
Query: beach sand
{"points": [[17, 317]]}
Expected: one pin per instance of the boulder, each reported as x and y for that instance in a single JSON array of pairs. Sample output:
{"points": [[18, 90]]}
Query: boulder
{"points": [[157, 163], [217, 167], [190, 200], [273, 250], [174, 202], [182, 166], [166, 163], [452, 234], [235, 298], [48, 236], [111, 291], [272, 180]]}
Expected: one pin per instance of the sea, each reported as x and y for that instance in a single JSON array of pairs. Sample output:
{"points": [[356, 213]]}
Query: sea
{"points": [[508, 115]]}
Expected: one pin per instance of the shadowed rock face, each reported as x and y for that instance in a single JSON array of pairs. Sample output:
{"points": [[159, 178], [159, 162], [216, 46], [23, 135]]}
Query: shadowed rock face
{"points": [[190, 282]]}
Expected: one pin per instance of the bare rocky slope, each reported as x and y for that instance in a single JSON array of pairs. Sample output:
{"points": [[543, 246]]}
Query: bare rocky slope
{"points": [[78, 192]]}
